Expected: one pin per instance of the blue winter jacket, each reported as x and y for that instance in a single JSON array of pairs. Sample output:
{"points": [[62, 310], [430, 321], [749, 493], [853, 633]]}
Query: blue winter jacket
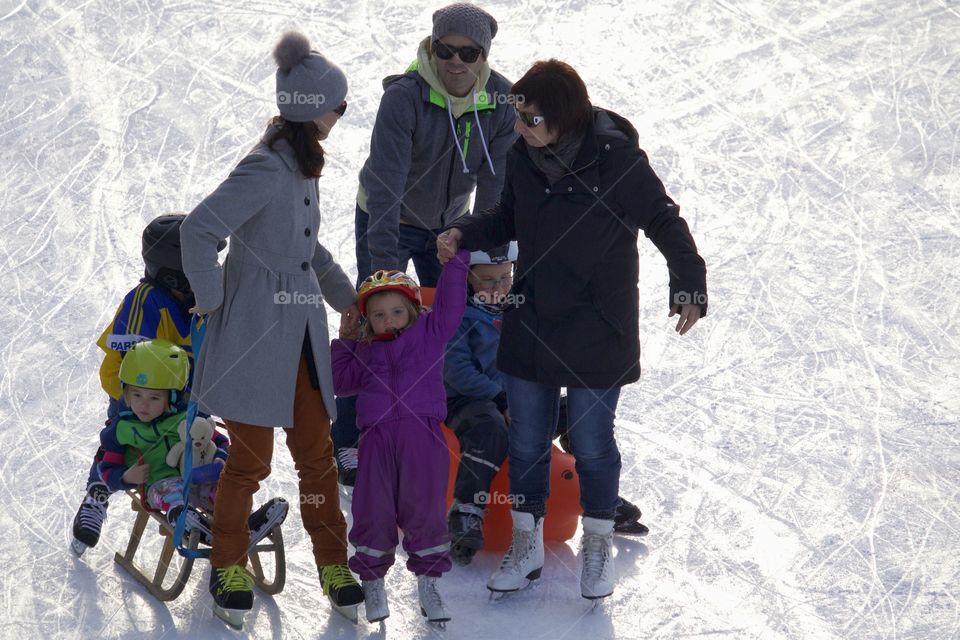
{"points": [[470, 364]]}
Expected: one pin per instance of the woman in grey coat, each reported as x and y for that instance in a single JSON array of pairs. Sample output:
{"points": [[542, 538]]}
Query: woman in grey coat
{"points": [[265, 360]]}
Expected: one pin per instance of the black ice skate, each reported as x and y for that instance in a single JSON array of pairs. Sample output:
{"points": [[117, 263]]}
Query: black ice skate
{"points": [[89, 519], [232, 591], [465, 524]]}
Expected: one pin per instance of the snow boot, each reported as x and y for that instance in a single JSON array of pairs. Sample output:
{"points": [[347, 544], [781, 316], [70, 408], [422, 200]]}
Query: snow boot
{"points": [[523, 561], [196, 521], [88, 522], [627, 519], [596, 553], [232, 591], [465, 524], [375, 600], [342, 589], [431, 604], [268, 517]]}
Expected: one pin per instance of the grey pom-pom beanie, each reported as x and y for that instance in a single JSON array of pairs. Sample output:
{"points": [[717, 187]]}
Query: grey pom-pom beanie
{"points": [[467, 20], [308, 85]]}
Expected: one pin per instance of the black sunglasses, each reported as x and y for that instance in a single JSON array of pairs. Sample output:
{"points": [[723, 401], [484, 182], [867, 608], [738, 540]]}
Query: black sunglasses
{"points": [[445, 52], [529, 119], [342, 109]]}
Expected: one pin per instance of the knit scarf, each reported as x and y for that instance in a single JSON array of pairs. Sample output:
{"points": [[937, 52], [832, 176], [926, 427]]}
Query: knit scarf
{"points": [[556, 160]]}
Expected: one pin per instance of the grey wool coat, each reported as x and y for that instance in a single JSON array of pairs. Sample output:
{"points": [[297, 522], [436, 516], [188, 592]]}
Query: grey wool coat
{"points": [[268, 293]]}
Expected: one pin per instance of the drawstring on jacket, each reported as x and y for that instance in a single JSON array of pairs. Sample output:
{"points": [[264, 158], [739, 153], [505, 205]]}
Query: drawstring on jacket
{"points": [[483, 140], [456, 140]]}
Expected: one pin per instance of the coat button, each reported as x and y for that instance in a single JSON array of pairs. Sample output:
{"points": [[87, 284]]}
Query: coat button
{"points": [[596, 188], [306, 201], [305, 266], [569, 188], [547, 190], [306, 232]]}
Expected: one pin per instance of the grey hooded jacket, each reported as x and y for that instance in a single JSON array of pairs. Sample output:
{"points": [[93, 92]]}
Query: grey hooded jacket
{"points": [[415, 172]]}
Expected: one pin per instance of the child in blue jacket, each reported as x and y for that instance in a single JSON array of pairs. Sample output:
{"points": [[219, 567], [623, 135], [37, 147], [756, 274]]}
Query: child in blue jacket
{"points": [[477, 410]]}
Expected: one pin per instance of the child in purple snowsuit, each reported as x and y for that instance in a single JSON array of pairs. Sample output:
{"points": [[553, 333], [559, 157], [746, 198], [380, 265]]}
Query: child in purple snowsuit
{"points": [[396, 372]]}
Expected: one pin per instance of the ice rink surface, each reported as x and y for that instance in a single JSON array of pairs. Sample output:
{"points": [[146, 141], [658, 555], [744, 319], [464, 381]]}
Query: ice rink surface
{"points": [[796, 456]]}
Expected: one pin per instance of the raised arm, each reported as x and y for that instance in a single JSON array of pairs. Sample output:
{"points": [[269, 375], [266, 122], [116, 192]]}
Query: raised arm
{"points": [[450, 300]]}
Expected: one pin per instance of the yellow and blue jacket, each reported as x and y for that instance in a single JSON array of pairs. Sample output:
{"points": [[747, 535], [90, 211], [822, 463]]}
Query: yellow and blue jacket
{"points": [[148, 311]]}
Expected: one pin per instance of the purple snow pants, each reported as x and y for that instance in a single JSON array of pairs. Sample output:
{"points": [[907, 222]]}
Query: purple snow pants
{"points": [[402, 471]]}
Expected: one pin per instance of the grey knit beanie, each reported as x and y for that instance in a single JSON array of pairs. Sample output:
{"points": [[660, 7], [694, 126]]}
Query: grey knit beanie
{"points": [[467, 20], [308, 85]]}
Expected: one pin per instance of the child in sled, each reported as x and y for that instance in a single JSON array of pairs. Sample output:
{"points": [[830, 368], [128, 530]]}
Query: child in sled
{"points": [[395, 369], [156, 308], [136, 443]]}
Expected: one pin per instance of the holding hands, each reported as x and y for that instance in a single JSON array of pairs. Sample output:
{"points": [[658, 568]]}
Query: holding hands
{"points": [[350, 323], [448, 243]]}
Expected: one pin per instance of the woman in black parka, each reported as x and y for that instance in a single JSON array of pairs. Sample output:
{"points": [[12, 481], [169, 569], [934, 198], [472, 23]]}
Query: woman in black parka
{"points": [[577, 192]]}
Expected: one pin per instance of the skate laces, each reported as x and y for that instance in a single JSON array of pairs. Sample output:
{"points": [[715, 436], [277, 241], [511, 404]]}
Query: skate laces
{"points": [[336, 576], [595, 553], [348, 457], [233, 578], [519, 550], [92, 514]]}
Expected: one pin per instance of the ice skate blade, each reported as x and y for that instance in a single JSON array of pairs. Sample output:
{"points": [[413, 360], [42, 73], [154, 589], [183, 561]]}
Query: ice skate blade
{"points": [[376, 620], [631, 529], [78, 547], [423, 612], [349, 611], [233, 617], [595, 599], [530, 578]]}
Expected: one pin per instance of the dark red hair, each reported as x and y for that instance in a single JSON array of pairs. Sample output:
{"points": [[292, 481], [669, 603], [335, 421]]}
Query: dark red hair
{"points": [[559, 95]]}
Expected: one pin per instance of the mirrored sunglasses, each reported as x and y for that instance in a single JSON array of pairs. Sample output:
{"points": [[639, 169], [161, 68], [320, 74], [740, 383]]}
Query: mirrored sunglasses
{"points": [[529, 119]]}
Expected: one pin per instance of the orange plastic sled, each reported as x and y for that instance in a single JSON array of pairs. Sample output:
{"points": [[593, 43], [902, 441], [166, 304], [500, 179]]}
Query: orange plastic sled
{"points": [[563, 505]]}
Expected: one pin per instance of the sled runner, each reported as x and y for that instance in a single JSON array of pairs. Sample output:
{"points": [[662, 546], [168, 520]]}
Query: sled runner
{"points": [[166, 590]]}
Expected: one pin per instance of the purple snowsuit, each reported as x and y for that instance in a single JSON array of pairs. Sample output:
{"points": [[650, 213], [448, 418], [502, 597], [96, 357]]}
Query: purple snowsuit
{"points": [[402, 459]]}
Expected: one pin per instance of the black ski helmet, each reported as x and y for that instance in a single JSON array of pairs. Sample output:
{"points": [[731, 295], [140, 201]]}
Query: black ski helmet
{"points": [[160, 249]]}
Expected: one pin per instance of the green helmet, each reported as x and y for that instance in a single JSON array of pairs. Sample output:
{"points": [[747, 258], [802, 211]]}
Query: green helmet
{"points": [[155, 364]]}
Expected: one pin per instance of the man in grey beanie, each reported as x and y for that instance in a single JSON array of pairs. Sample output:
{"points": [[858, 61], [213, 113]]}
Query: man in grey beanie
{"points": [[442, 132]]}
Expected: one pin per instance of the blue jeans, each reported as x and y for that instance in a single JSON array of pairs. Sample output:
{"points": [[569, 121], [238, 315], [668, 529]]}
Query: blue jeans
{"points": [[534, 411], [419, 245]]}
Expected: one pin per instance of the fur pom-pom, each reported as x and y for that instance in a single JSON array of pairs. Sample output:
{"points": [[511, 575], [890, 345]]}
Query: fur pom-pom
{"points": [[292, 49]]}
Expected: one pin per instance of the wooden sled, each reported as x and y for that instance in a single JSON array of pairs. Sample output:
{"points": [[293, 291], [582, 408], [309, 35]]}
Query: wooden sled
{"points": [[273, 543]]}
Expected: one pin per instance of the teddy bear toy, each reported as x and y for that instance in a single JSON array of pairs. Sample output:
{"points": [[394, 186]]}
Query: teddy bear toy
{"points": [[200, 440]]}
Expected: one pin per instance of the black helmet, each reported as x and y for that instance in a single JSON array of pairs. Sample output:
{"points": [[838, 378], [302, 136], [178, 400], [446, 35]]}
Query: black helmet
{"points": [[161, 251]]}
